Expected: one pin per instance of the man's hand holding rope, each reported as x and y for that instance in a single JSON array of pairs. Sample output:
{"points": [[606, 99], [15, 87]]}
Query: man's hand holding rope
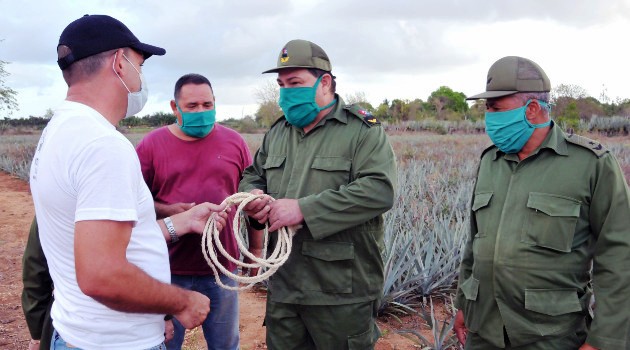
{"points": [[194, 219], [259, 207], [284, 213], [278, 213]]}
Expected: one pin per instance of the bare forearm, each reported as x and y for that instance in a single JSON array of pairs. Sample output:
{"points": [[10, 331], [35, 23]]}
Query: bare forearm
{"points": [[255, 238], [178, 225], [163, 210], [148, 295], [181, 224], [194, 219], [111, 279]]}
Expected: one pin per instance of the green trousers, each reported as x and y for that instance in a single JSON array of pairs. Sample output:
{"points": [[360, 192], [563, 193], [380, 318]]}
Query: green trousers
{"points": [[323, 327], [571, 341]]}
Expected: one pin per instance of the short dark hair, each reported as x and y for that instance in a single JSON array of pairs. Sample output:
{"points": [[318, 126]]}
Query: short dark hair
{"points": [[85, 67], [191, 78], [318, 73]]}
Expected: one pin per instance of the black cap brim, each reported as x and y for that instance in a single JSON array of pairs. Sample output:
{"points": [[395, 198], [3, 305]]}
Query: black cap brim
{"points": [[148, 50]]}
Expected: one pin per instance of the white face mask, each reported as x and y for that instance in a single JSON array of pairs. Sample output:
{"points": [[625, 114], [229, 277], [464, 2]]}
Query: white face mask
{"points": [[135, 100]]}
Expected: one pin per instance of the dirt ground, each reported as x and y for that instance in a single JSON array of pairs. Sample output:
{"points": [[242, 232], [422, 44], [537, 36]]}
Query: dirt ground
{"points": [[16, 213]]}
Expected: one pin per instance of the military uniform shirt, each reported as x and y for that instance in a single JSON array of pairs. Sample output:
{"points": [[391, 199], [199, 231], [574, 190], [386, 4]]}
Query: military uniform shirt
{"points": [[536, 227], [37, 294], [343, 173]]}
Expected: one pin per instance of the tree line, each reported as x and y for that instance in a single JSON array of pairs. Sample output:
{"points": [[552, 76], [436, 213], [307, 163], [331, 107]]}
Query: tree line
{"points": [[572, 107]]}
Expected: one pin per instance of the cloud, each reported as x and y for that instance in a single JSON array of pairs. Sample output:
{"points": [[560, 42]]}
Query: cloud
{"points": [[383, 48], [566, 11]]}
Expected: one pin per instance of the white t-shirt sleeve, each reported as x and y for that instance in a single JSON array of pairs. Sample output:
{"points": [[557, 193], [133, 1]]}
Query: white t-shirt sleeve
{"points": [[105, 177]]}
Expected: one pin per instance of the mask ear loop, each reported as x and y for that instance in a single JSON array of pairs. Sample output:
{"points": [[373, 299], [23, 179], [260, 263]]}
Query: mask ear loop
{"points": [[542, 104], [315, 94], [314, 98], [181, 113], [114, 69], [134, 68]]}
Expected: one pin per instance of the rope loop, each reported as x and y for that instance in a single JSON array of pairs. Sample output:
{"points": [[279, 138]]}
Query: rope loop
{"points": [[210, 240]]}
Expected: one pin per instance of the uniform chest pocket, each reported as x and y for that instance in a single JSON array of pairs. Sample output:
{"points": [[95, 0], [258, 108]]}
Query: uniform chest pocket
{"points": [[480, 208], [551, 221], [330, 172], [274, 169]]}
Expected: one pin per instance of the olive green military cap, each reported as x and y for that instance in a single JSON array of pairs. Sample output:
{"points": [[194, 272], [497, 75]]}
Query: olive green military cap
{"points": [[302, 54], [511, 75]]}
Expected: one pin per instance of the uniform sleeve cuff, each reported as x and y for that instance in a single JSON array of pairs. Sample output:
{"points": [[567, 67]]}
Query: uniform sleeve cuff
{"points": [[253, 223]]}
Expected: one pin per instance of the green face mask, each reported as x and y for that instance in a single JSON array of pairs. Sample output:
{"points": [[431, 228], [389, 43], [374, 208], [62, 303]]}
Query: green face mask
{"points": [[299, 106], [197, 124], [510, 130]]}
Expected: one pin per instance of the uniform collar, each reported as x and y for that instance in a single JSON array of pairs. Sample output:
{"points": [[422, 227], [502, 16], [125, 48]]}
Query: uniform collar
{"points": [[336, 113], [555, 140]]}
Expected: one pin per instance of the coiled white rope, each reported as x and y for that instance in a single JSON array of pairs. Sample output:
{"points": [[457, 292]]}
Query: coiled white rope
{"points": [[270, 264]]}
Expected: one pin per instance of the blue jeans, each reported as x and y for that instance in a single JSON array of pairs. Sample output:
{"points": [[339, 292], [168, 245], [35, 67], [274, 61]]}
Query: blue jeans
{"points": [[221, 326], [57, 343]]}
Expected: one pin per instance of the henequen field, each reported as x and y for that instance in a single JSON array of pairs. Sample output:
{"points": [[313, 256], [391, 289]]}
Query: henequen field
{"points": [[428, 224]]}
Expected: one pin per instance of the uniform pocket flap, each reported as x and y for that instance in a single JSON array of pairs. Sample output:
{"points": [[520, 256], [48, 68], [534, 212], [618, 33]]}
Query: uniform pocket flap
{"points": [[470, 288], [274, 162], [331, 163], [328, 251], [554, 205], [481, 200], [552, 302], [364, 340]]}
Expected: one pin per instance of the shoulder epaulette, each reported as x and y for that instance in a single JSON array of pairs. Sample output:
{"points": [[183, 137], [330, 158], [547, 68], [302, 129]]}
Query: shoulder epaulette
{"points": [[363, 114], [585, 142]]}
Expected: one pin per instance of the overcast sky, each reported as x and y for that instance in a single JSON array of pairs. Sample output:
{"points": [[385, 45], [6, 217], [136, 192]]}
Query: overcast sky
{"points": [[386, 49]]}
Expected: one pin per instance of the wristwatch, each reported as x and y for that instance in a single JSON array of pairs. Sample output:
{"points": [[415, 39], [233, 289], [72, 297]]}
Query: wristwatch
{"points": [[171, 229]]}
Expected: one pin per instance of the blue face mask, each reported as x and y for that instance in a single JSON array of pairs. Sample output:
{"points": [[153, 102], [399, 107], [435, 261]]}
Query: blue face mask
{"points": [[510, 130], [197, 124], [299, 106]]}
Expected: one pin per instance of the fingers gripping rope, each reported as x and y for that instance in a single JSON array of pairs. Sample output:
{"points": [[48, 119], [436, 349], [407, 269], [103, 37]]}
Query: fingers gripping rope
{"points": [[270, 264]]}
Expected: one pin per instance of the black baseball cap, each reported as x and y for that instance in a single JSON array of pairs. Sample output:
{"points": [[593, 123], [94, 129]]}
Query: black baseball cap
{"points": [[512, 74], [93, 34]]}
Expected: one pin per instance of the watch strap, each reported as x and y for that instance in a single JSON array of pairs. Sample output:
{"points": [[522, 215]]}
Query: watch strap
{"points": [[171, 229]]}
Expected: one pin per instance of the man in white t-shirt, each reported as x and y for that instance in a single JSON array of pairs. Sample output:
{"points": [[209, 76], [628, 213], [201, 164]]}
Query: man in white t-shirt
{"points": [[106, 252]]}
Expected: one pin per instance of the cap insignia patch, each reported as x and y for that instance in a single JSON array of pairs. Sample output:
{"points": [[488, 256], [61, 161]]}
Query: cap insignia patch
{"points": [[285, 55]]}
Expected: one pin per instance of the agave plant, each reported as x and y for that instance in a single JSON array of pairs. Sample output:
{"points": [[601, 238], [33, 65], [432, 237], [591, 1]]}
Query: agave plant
{"points": [[425, 232], [16, 154], [609, 126], [442, 336]]}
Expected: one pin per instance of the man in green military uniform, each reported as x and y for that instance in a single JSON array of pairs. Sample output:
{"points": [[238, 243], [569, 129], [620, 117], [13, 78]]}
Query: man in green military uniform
{"points": [[332, 170], [549, 227]]}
